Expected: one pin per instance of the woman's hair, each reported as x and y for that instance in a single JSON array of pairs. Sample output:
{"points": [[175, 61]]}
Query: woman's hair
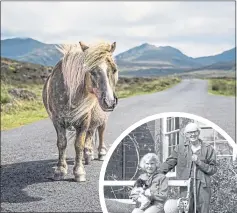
{"points": [[148, 157]]}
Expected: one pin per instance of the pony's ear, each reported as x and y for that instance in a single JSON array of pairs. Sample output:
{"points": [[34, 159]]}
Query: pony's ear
{"points": [[83, 46], [113, 46]]}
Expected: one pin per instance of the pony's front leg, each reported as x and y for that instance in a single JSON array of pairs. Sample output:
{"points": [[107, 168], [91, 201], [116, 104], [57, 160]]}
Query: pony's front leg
{"points": [[62, 167], [78, 170], [89, 152], [102, 148]]}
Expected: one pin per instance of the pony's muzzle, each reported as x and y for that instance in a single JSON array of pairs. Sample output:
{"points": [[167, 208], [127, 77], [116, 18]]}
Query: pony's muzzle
{"points": [[110, 104]]}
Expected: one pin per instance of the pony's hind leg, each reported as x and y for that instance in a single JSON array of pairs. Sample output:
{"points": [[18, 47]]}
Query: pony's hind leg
{"points": [[102, 148], [88, 151], [61, 170]]}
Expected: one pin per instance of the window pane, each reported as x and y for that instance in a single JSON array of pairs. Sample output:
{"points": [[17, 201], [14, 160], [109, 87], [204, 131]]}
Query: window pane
{"points": [[169, 124], [170, 140], [177, 123], [172, 124], [174, 139], [177, 138]]}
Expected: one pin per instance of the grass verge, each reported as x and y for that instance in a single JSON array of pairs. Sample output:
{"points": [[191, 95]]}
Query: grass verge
{"points": [[128, 87], [226, 87], [17, 113]]}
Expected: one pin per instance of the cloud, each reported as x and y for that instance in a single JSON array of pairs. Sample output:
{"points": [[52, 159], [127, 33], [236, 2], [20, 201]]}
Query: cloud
{"points": [[191, 26]]}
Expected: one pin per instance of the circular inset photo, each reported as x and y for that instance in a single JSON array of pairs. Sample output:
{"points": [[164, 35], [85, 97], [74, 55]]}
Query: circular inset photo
{"points": [[170, 163]]}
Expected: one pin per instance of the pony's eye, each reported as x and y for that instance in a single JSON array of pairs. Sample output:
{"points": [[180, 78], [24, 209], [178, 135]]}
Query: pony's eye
{"points": [[93, 72], [114, 70]]}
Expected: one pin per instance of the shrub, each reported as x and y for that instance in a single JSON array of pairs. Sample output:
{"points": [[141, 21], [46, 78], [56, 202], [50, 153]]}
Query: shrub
{"points": [[224, 187], [223, 86], [12, 68], [5, 97], [215, 87]]}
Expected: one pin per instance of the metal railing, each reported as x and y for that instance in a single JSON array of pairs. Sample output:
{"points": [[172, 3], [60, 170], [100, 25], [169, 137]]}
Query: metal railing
{"points": [[172, 183]]}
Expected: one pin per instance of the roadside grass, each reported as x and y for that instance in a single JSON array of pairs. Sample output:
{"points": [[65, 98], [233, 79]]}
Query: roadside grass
{"points": [[138, 86], [23, 114], [16, 112], [226, 87]]}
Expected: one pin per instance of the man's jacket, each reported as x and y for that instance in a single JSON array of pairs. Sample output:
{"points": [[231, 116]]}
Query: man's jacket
{"points": [[181, 157]]}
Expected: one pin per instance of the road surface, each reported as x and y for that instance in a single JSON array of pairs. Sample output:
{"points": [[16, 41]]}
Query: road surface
{"points": [[29, 153]]}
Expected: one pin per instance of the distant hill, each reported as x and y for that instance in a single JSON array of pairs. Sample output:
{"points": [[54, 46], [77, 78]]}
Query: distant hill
{"points": [[149, 60], [226, 56], [13, 48], [166, 56], [47, 55], [146, 59], [228, 66], [30, 50]]}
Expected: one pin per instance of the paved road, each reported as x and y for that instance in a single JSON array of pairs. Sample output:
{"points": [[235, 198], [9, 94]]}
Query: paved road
{"points": [[29, 153]]}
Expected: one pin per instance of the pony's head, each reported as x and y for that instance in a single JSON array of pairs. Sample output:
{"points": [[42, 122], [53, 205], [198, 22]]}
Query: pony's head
{"points": [[90, 70], [102, 75]]}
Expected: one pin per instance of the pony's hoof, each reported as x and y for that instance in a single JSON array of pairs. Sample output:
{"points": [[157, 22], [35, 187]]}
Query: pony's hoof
{"points": [[102, 153], [59, 175], [81, 178], [92, 157], [101, 157]]}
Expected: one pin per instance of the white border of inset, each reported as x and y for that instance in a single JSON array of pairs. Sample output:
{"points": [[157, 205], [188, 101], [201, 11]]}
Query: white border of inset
{"points": [[146, 120]]}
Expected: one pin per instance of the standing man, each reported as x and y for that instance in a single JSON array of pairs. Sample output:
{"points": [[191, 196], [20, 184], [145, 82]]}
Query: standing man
{"points": [[194, 159]]}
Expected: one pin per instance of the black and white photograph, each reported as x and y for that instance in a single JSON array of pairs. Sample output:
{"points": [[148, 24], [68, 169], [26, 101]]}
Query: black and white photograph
{"points": [[172, 164]]}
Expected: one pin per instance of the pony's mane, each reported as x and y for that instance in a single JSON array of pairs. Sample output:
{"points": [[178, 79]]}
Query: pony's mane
{"points": [[66, 48], [75, 64]]}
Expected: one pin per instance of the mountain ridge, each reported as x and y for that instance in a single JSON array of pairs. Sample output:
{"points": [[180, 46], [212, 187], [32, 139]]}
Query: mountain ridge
{"points": [[145, 56]]}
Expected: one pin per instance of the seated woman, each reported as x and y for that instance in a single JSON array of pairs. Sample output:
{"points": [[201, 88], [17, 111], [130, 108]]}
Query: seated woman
{"points": [[153, 194]]}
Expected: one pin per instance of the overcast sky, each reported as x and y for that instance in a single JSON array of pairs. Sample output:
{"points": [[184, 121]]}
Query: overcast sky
{"points": [[195, 28]]}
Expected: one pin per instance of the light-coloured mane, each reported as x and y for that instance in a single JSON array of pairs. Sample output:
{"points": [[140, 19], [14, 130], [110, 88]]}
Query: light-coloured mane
{"points": [[75, 65]]}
